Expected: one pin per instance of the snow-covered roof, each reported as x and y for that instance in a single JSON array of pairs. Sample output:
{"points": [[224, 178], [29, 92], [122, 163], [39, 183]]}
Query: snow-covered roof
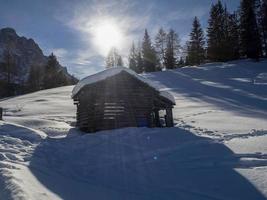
{"points": [[112, 72]]}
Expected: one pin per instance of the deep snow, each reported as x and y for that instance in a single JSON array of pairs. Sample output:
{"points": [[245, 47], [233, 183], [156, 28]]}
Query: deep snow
{"points": [[218, 149]]}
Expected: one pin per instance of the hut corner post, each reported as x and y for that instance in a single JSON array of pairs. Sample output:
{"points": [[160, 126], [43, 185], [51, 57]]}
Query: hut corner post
{"points": [[169, 117], [157, 118], [1, 113]]}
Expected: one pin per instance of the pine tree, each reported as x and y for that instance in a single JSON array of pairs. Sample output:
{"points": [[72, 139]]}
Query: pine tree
{"points": [[181, 62], [250, 37], [132, 59], [61, 79], [259, 21], [184, 54], [263, 23], [50, 73], [149, 54], [160, 46], [120, 61], [9, 68], [34, 78], [113, 59], [233, 37], [196, 51], [217, 33], [139, 60], [172, 50]]}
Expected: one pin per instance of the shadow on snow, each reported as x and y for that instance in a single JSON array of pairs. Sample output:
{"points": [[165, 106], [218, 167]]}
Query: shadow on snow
{"points": [[141, 163]]}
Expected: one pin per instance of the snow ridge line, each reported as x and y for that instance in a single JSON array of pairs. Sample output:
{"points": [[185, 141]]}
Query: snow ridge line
{"points": [[253, 133]]}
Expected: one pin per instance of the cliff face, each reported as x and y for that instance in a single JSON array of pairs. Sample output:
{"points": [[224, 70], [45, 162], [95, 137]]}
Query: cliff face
{"points": [[25, 53]]}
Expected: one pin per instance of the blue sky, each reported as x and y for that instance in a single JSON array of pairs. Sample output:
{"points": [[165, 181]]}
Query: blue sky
{"points": [[65, 27]]}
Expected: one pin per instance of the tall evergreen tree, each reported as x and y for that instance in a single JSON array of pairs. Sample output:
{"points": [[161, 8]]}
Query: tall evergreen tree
{"points": [[184, 54], [139, 59], [61, 79], [250, 37], [9, 68], [132, 59], [233, 37], [172, 50], [120, 61], [113, 59], [217, 33], [181, 62], [149, 54], [263, 23], [196, 49], [50, 72], [34, 78], [160, 45]]}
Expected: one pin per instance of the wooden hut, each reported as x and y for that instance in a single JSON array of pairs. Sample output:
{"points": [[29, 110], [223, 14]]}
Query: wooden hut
{"points": [[118, 97]]}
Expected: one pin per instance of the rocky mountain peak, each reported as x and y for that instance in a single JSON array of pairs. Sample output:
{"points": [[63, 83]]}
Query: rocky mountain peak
{"points": [[8, 31], [25, 52]]}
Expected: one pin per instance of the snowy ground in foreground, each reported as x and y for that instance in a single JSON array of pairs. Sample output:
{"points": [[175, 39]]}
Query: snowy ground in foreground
{"points": [[218, 149]]}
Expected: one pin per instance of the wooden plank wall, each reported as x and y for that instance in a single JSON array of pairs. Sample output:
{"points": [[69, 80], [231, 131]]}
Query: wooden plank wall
{"points": [[118, 101]]}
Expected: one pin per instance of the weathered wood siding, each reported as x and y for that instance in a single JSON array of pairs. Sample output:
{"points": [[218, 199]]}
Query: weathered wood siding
{"points": [[118, 101]]}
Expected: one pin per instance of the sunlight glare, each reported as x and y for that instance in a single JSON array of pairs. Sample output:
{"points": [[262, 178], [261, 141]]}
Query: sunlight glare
{"points": [[107, 35]]}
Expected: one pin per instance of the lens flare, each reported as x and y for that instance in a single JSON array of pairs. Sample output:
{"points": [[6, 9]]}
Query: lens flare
{"points": [[106, 35]]}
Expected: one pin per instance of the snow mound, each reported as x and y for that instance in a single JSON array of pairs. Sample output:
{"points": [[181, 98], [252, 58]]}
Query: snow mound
{"points": [[114, 71], [261, 79], [20, 132]]}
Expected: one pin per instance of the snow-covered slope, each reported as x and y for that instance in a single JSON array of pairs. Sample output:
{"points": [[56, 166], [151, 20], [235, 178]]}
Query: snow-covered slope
{"points": [[51, 111], [218, 149], [219, 99]]}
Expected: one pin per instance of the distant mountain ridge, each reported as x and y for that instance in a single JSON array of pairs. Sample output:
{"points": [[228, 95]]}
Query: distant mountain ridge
{"points": [[25, 53]]}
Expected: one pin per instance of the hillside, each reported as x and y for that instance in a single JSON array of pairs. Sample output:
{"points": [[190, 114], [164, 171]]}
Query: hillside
{"points": [[217, 150], [25, 51], [23, 54]]}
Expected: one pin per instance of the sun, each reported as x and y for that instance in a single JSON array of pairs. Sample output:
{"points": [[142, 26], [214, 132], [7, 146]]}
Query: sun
{"points": [[106, 35]]}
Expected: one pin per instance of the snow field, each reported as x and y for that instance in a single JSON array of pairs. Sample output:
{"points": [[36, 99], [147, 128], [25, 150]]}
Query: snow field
{"points": [[218, 149]]}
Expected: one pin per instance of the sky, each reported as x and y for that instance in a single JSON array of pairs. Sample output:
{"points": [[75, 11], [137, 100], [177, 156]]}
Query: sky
{"points": [[80, 32]]}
